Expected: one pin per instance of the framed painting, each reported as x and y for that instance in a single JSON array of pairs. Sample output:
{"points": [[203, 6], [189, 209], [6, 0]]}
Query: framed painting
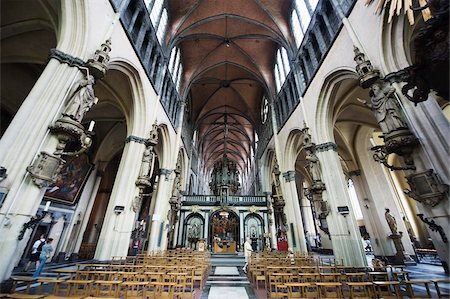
{"points": [[70, 181]]}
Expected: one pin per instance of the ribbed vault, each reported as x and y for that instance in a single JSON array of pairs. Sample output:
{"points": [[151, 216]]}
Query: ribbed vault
{"points": [[228, 50]]}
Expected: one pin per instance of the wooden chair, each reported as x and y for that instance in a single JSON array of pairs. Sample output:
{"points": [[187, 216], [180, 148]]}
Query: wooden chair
{"points": [[387, 289], [330, 289], [410, 288], [330, 277], [133, 289], [26, 280], [378, 276], [309, 277], [79, 287], [164, 290], [276, 289], [356, 277], [438, 289], [106, 288], [361, 290], [310, 290], [54, 285], [199, 277], [259, 278], [295, 289]]}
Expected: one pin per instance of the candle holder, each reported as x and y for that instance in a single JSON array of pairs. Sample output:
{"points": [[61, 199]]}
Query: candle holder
{"points": [[34, 220]]}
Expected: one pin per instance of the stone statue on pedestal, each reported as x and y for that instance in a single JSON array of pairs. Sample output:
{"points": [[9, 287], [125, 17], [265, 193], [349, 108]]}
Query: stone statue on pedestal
{"points": [[313, 165], [385, 107], [391, 222], [82, 100]]}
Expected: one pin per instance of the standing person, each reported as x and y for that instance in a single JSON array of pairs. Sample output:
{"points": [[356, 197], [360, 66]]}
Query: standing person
{"points": [[247, 253], [45, 254], [35, 252], [290, 256]]}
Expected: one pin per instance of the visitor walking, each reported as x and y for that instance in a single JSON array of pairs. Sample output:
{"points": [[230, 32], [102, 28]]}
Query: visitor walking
{"points": [[35, 252], [45, 254], [247, 253]]}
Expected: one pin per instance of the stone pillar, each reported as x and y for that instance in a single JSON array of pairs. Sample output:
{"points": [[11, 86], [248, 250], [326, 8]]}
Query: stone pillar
{"points": [[115, 236], [206, 228], [343, 229], [271, 220], [160, 211], [241, 229], [25, 137], [293, 211], [373, 201], [181, 228]]}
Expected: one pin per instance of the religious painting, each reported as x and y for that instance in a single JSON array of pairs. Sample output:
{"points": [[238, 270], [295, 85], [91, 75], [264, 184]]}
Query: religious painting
{"points": [[70, 180]]}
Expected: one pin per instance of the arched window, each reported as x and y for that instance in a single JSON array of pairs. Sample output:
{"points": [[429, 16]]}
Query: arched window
{"points": [[282, 67], [175, 66], [156, 11], [162, 26], [296, 28], [178, 76]]}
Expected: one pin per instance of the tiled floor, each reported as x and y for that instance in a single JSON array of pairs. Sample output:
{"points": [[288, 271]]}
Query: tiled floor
{"points": [[227, 293]]}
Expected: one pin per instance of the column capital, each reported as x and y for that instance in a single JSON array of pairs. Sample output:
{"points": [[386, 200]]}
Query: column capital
{"points": [[326, 146], [136, 139], [166, 172], [289, 176], [66, 58], [356, 172]]}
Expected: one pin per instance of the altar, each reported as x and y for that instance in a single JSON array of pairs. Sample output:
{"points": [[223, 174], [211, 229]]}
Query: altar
{"points": [[224, 246]]}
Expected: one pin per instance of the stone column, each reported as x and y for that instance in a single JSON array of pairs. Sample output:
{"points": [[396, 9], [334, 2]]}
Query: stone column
{"points": [[206, 228], [181, 228], [271, 220], [160, 211], [115, 236], [343, 229], [26, 136], [368, 182], [241, 229], [293, 211]]}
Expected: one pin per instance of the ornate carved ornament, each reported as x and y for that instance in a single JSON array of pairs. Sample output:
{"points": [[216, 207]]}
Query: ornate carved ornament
{"points": [[45, 169], [434, 227], [431, 47], [195, 209], [98, 64], [66, 130], [323, 147], [253, 209], [426, 188]]}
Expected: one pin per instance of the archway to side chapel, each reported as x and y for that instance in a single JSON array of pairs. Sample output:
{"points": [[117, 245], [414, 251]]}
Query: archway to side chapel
{"points": [[224, 231]]}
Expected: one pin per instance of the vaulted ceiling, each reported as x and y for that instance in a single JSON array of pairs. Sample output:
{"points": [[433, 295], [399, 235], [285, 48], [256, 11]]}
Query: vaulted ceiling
{"points": [[228, 49]]}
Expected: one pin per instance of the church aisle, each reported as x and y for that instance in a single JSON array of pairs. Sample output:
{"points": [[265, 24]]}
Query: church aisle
{"points": [[228, 282]]}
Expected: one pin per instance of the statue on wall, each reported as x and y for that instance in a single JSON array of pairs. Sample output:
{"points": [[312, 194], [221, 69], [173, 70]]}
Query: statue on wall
{"points": [[391, 222], [313, 165], [147, 160], [386, 109], [82, 100]]}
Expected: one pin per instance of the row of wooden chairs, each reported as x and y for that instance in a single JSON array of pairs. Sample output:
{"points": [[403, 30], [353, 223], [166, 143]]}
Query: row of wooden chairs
{"points": [[378, 289], [168, 280]]}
